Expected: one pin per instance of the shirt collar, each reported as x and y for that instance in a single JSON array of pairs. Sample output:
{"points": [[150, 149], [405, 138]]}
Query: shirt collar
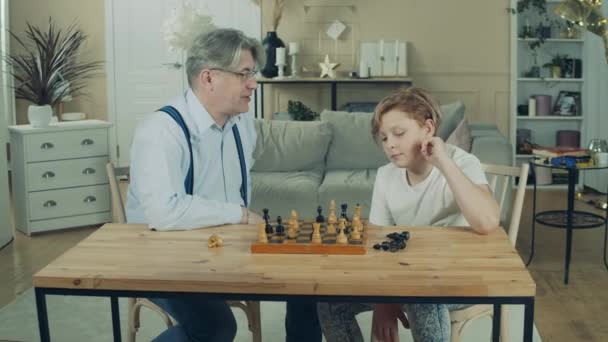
{"points": [[201, 117]]}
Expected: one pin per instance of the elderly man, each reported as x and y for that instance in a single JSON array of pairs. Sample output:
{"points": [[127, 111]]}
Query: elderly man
{"points": [[190, 164]]}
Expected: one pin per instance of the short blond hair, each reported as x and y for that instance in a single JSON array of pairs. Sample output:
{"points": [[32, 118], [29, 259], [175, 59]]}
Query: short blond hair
{"points": [[416, 102]]}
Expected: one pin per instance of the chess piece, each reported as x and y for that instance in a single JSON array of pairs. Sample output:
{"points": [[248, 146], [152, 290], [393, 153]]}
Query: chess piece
{"points": [[331, 228], [344, 206], [269, 229], [342, 225], [358, 211], [292, 233], [262, 237], [266, 217], [332, 212], [355, 235], [320, 218], [280, 229], [356, 224], [215, 241], [294, 216], [342, 239], [316, 233]]}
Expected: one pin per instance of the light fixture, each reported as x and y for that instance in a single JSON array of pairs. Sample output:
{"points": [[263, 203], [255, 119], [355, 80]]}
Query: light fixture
{"points": [[586, 14]]}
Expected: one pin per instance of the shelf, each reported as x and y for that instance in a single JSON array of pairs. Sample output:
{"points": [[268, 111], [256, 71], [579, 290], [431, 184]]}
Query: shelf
{"points": [[553, 40], [526, 79], [524, 156], [551, 118]]}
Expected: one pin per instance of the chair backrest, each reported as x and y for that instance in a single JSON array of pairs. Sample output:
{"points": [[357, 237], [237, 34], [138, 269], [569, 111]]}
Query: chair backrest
{"points": [[118, 207], [505, 173]]}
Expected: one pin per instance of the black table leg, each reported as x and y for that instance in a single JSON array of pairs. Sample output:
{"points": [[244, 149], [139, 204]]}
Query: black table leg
{"points": [[533, 214], [569, 214], [115, 318], [529, 320], [334, 91], [496, 324], [43, 319]]}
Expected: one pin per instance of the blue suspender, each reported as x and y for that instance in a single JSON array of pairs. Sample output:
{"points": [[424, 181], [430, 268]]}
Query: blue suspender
{"points": [[239, 148], [189, 182]]}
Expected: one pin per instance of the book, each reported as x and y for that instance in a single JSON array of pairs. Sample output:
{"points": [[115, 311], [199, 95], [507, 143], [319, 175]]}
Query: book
{"points": [[552, 152]]}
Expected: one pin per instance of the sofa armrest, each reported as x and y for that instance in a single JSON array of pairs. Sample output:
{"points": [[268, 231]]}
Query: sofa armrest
{"points": [[492, 150]]}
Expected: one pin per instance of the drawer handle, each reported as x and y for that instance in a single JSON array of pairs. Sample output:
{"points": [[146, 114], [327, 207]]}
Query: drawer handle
{"points": [[47, 146], [86, 142], [50, 204], [48, 174], [88, 171], [89, 199]]}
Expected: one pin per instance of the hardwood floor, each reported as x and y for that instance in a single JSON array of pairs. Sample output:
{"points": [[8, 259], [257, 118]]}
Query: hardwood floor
{"points": [[573, 312]]}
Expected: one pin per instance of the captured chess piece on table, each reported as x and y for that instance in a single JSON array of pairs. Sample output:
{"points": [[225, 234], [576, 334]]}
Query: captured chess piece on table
{"points": [[215, 241]]}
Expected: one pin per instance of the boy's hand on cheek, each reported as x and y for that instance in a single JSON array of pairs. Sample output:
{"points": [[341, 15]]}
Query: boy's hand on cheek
{"points": [[433, 149]]}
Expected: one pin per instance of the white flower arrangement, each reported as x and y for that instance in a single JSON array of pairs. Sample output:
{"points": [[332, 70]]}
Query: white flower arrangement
{"points": [[184, 25]]}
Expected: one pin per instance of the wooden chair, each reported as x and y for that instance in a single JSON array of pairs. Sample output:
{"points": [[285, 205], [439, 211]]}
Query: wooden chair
{"points": [[251, 308], [460, 319]]}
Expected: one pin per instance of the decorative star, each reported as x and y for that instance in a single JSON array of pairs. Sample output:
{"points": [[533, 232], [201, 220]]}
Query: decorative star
{"points": [[327, 68]]}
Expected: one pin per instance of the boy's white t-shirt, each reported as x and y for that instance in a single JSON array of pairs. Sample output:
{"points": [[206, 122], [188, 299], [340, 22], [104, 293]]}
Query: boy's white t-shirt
{"points": [[428, 203]]}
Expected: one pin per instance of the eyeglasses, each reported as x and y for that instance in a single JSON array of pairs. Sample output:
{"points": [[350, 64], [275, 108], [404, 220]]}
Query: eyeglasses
{"points": [[243, 75]]}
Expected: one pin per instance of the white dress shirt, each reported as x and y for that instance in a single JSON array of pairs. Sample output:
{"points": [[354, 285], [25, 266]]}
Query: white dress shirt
{"points": [[160, 161]]}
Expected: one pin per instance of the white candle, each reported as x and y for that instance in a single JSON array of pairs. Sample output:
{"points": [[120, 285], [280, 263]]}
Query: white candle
{"points": [[294, 48], [381, 50], [363, 69], [280, 53]]}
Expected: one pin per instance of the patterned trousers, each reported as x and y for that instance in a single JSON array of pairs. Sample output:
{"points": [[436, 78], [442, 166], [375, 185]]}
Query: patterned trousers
{"points": [[428, 322]]}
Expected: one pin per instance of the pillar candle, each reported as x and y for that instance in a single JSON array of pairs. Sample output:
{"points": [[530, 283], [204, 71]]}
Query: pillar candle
{"points": [[280, 56]]}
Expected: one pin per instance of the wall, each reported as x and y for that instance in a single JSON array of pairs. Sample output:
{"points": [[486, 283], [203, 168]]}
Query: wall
{"points": [[89, 15], [457, 49]]}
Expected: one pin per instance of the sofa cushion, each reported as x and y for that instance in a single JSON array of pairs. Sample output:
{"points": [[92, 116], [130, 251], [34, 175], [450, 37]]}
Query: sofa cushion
{"points": [[281, 192], [352, 146], [461, 136], [452, 115], [290, 145], [350, 187]]}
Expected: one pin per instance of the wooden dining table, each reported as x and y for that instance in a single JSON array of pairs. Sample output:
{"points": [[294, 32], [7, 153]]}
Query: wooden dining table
{"points": [[450, 265]]}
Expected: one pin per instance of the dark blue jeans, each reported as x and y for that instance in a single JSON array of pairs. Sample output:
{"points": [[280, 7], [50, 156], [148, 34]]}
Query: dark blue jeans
{"points": [[203, 319], [199, 319]]}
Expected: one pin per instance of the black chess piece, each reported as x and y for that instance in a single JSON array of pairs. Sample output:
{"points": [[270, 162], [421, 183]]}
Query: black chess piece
{"points": [[266, 217], [280, 229], [269, 230], [343, 206], [320, 217]]}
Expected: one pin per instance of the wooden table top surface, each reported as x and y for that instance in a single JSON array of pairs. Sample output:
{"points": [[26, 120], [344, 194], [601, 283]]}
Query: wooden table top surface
{"points": [[437, 262]]}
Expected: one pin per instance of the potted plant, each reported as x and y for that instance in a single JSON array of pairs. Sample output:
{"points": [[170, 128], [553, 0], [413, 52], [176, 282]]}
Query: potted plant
{"points": [[48, 69], [556, 65]]}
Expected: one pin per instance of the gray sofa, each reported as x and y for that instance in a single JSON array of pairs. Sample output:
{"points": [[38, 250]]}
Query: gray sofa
{"points": [[301, 165]]}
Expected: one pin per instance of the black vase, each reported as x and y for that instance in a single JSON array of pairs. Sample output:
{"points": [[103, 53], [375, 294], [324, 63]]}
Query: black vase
{"points": [[271, 43]]}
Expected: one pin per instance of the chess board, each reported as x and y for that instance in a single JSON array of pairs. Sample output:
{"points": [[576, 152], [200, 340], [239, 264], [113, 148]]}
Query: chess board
{"points": [[281, 244]]}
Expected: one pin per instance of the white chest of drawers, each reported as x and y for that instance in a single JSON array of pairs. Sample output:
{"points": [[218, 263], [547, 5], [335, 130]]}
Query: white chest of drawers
{"points": [[58, 175]]}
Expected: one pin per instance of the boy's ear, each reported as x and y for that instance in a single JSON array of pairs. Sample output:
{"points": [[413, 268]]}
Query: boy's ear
{"points": [[430, 126]]}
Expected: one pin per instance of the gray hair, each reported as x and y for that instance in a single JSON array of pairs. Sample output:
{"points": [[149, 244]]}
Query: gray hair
{"points": [[221, 48]]}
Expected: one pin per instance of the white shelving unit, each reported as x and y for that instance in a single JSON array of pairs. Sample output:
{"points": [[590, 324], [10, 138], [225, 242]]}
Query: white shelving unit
{"points": [[543, 128]]}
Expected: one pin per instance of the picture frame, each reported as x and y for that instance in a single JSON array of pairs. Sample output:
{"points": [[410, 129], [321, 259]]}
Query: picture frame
{"points": [[568, 103]]}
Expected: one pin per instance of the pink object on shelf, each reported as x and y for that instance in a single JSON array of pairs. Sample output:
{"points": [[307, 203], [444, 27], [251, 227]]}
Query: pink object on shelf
{"points": [[568, 138], [543, 104]]}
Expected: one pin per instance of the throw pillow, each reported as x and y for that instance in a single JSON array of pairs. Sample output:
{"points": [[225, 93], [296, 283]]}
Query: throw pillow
{"points": [[452, 116], [461, 136]]}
